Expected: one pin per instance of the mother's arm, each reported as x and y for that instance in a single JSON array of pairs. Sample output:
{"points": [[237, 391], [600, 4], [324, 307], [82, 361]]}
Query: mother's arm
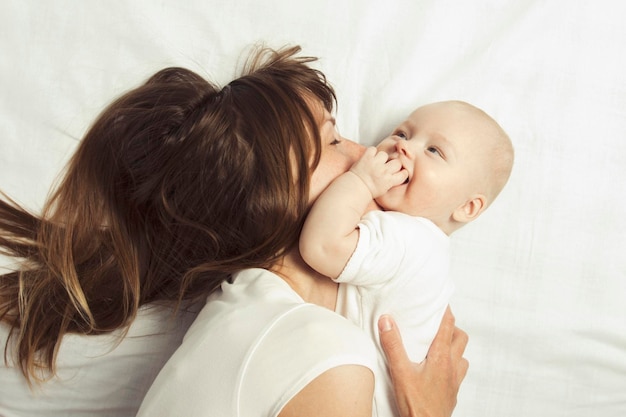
{"points": [[342, 391], [431, 387]]}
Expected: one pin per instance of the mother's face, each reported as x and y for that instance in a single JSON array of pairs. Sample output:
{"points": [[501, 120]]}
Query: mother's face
{"points": [[338, 155]]}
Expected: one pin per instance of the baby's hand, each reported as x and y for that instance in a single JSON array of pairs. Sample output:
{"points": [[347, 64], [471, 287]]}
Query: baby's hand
{"points": [[378, 172]]}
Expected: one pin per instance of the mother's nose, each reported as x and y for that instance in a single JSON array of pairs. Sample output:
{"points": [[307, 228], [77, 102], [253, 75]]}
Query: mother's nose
{"points": [[389, 145], [353, 150]]}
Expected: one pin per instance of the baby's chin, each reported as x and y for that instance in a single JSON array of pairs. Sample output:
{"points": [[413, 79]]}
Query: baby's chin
{"points": [[384, 204]]}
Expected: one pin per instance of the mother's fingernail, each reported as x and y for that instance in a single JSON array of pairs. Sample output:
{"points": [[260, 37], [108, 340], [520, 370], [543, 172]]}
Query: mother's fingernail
{"points": [[385, 324]]}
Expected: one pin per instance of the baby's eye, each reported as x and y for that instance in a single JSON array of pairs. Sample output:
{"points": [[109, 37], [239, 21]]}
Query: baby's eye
{"points": [[335, 141], [400, 134], [434, 150]]}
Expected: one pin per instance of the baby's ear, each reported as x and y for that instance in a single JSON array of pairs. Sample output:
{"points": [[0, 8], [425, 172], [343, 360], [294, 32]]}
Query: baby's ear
{"points": [[471, 209]]}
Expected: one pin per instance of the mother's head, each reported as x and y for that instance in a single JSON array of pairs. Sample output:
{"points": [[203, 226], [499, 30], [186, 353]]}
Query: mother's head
{"points": [[197, 181], [177, 184]]}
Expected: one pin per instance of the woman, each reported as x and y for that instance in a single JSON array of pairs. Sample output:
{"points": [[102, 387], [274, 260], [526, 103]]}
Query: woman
{"points": [[181, 190]]}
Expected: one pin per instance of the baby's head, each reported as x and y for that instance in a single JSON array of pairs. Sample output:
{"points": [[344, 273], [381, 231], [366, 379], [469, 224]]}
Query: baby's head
{"points": [[458, 160]]}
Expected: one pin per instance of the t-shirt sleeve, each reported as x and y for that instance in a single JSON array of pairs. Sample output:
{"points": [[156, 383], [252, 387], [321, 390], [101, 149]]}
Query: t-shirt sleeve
{"points": [[299, 347]]}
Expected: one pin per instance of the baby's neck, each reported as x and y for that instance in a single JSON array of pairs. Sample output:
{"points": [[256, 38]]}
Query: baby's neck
{"points": [[373, 206]]}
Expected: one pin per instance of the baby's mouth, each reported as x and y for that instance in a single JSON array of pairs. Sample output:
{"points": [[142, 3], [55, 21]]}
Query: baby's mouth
{"points": [[406, 181]]}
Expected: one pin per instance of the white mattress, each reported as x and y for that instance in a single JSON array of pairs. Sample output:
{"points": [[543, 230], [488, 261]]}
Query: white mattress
{"points": [[541, 276]]}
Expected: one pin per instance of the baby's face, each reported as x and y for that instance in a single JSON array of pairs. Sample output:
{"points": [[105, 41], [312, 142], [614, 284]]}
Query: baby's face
{"points": [[440, 147]]}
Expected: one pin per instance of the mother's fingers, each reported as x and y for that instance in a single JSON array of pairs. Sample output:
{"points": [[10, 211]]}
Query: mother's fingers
{"points": [[451, 342], [431, 387], [461, 370], [391, 341], [459, 343], [442, 344]]}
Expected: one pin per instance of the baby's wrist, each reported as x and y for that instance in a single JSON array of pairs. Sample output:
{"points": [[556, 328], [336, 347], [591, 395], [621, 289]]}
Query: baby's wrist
{"points": [[363, 181]]}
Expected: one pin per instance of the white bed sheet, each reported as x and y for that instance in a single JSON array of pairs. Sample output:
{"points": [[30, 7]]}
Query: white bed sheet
{"points": [[541, 277]]}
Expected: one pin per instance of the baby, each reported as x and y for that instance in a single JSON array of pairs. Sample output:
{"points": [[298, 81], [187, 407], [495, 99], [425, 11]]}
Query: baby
{"points": [[440, 169]]}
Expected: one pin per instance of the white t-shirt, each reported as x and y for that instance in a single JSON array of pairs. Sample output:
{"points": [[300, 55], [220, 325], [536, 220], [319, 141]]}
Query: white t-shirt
{"points": [[400, 266], [253, 347], [104, 375]]}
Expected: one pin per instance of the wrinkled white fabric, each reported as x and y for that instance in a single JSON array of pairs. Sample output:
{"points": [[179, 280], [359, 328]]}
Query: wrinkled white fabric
{"points": [[97, 375], [254, 346], [400, 266]]}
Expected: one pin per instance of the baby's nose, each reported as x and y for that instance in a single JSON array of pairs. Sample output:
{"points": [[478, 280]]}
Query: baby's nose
{"points": [[401, 147]]}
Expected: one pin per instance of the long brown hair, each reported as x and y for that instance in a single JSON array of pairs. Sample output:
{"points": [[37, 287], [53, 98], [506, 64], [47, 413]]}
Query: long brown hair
{"points": [[176, 185]]}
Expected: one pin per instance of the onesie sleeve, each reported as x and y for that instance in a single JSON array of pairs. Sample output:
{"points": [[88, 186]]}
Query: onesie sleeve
{"points": [[389, 244]]}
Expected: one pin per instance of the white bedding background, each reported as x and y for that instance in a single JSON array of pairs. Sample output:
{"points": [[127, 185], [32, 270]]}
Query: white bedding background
{"points": [[541, 277]]}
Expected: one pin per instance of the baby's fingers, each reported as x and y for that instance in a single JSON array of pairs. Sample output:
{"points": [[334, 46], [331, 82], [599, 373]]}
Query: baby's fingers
{"points": [[393, 165], [397, 174], [400, 177]]}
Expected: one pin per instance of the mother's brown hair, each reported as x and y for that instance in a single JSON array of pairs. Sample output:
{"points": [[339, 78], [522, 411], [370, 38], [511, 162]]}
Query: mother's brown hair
{"points": [[176, 185]]}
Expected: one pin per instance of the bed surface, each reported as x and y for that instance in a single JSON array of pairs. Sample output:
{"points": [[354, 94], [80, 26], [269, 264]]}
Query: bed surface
{"points": [[541, 276]]}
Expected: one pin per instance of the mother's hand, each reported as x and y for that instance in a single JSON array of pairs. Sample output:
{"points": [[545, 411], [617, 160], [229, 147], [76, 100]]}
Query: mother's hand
{"points": [[429, 388]]}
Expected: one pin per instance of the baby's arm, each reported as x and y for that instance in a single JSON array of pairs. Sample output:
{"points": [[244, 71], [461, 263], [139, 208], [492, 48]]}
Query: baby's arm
{"points": [[330, 233]]}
